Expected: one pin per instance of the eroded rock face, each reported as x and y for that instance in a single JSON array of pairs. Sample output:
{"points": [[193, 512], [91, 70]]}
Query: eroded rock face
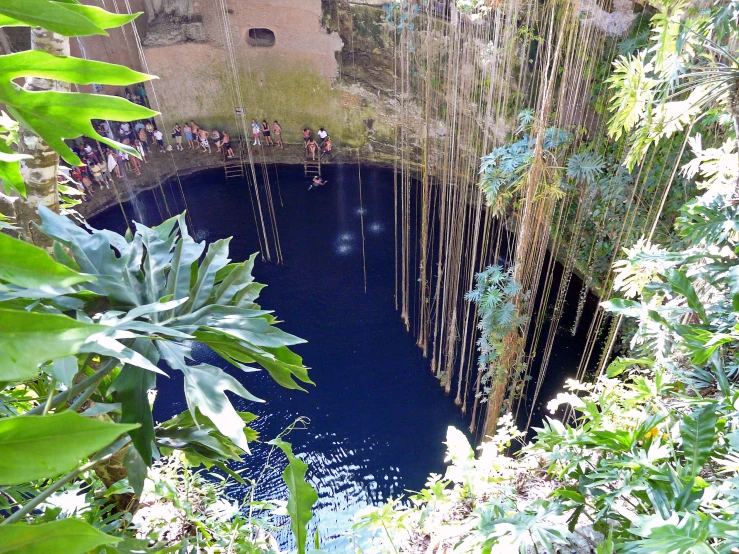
{"points": [[175, 8], [172, 22], [615, 23]]}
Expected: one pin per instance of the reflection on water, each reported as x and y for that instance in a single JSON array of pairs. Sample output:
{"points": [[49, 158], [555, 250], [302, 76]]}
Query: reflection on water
{"points": [[378, 417]]}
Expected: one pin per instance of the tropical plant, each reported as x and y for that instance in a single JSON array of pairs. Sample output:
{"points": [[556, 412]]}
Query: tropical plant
{"points": [[650, 463], [504, 170], [45, 109], [687, 69], [84, 336], [500, 324]]}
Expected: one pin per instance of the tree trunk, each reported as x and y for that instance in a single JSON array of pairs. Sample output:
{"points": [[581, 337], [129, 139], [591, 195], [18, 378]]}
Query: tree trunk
{"points": [[40, 171]]}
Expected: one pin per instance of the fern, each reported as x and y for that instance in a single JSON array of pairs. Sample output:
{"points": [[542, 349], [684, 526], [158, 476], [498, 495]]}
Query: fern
{"points": [[495, 290], [585, 167]]}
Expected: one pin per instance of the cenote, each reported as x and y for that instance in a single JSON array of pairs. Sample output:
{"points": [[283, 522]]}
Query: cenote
{"points": [[377, 418]]}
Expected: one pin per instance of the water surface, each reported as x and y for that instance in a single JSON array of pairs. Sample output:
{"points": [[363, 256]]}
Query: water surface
{"points": [[378, 417]]}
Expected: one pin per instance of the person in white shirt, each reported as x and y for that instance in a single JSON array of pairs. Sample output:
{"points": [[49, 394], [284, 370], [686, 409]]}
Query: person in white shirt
{"points": [[126, 130], [322, 134], [159, 138], [256, 131], [113, 165]]}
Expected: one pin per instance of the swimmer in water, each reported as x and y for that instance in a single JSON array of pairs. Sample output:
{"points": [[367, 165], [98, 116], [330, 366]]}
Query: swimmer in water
{"points": [[317, 182]]}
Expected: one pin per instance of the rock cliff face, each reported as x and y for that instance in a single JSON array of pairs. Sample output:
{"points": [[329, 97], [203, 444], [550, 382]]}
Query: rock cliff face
{"points": [[328, 63], [208, 65], [172, 22]]}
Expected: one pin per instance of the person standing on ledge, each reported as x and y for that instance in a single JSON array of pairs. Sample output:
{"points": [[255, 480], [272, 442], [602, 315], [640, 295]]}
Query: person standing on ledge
{"points": [[142, 151], [203, 136], [113, 165], [188, 135], [215, 136], [327, 145], [256, 130], [141, 92], [149, 129], [159, 137], [322, 134], [266, 133], [226, 146], [312, 148], [177, 135], [307, 134], [277, 129]]}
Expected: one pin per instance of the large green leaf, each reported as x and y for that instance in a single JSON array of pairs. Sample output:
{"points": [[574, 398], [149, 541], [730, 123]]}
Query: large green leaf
{"points": [[56, 116], [237, 280], [35, 447], [100, 17], [698, 434], [205, 387], [283, 365], [186, 253], [158, 258], [117, 277], [620, 364], [216, 258], [28, 339], [64, 370], [54, 16], [692, 535], [27, 265], [680, 284], [302, 495], [63, 536], [36, 63], [133, 385], [10, 169]]}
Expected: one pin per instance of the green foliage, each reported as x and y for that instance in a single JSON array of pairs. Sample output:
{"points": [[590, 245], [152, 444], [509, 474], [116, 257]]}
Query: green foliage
{"points": [[98, 321], [52, 115], [46, 446], [66, 17], [64, 536], [302, 495], [504, 170], [495, 295], [585, 167], [28, 339], [664, 88], [55, 116]]}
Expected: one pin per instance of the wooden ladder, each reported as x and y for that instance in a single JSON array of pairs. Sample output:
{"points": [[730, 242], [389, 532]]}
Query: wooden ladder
{"points": [[234, 168], [312, 167]]}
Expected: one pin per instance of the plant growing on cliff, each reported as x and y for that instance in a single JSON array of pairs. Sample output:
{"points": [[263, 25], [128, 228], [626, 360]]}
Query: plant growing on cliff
{"points": [[650, 462], [688, 68], [499, 322], [504, 170]]}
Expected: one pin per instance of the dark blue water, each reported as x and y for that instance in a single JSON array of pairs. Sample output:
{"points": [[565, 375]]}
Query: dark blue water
{"points": [[378, 417]]}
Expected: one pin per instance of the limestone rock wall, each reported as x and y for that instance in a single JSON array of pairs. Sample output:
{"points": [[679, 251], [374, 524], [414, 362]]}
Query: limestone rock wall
{"points": [[310, 77]]}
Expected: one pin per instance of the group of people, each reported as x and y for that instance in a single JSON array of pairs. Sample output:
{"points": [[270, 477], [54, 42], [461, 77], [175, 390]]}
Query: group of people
{"points": [[103, 164], [262, 130], [137, 95], [197, 136], [313, 148]]}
